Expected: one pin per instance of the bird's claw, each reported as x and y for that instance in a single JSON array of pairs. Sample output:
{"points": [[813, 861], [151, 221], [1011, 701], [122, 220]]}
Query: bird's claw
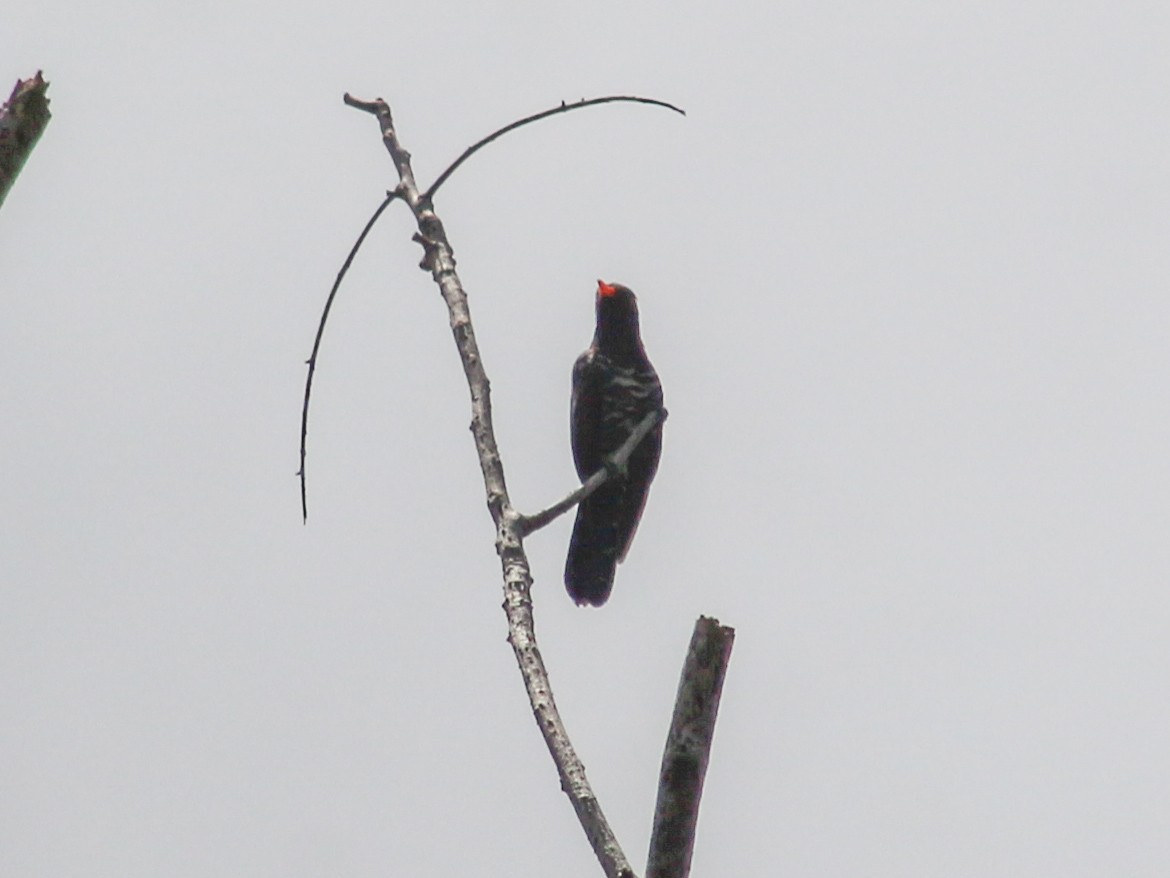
{"points": [[615, 468]]}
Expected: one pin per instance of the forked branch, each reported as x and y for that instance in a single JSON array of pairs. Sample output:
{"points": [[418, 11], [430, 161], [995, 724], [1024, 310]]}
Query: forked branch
{"points": [[439, 259]]}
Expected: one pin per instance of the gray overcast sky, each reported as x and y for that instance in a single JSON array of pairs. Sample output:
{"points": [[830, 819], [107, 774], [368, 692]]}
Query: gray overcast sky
{"points": [[904, 272]]}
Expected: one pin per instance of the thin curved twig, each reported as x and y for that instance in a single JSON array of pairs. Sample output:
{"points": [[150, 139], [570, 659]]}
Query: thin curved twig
{"points": [[312, 361], [563, 108], [615, 462]]}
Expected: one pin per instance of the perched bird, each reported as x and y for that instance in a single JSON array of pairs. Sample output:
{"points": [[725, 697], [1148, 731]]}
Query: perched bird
{"points": [[614, 388]]}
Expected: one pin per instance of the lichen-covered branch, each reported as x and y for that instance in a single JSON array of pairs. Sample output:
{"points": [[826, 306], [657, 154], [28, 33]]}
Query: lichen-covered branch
{"points": [[439, 260], [688, 746], [22, 121]]}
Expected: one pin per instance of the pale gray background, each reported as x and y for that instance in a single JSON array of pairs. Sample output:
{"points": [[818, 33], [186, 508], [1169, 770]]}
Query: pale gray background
{"points": [[904, 272]]}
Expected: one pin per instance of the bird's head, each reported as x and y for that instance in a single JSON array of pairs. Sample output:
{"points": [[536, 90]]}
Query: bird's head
{"points": [[617, 313], [615, 299]]}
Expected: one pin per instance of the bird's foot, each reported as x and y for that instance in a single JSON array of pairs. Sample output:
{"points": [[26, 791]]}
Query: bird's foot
{"points": [[615, 468]]}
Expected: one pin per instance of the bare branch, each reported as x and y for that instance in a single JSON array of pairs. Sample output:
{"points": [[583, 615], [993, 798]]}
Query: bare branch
{"points": [[536, 117], [688, 746], [22, 121], [312, 361], [439, 259], [616, 462]]}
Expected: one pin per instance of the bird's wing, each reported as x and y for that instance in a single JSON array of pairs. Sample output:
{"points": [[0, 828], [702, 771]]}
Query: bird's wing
{"points": [[642, 466], [585, 415]]}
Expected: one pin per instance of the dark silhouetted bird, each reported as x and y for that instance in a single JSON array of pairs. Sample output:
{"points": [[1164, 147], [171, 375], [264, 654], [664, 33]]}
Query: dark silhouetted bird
{"points": [[614, 388]]}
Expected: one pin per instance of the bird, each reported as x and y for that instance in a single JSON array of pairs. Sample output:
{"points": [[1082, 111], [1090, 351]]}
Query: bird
{"points": [[614, 388]]}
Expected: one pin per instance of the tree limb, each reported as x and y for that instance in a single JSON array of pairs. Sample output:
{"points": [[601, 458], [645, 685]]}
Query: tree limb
{"points": [[688, 746], [615, 463], [22, 121], [439, 259]]}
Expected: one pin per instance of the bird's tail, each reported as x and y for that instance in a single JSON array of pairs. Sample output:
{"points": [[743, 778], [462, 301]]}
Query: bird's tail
{"points": [[593, 553]]}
